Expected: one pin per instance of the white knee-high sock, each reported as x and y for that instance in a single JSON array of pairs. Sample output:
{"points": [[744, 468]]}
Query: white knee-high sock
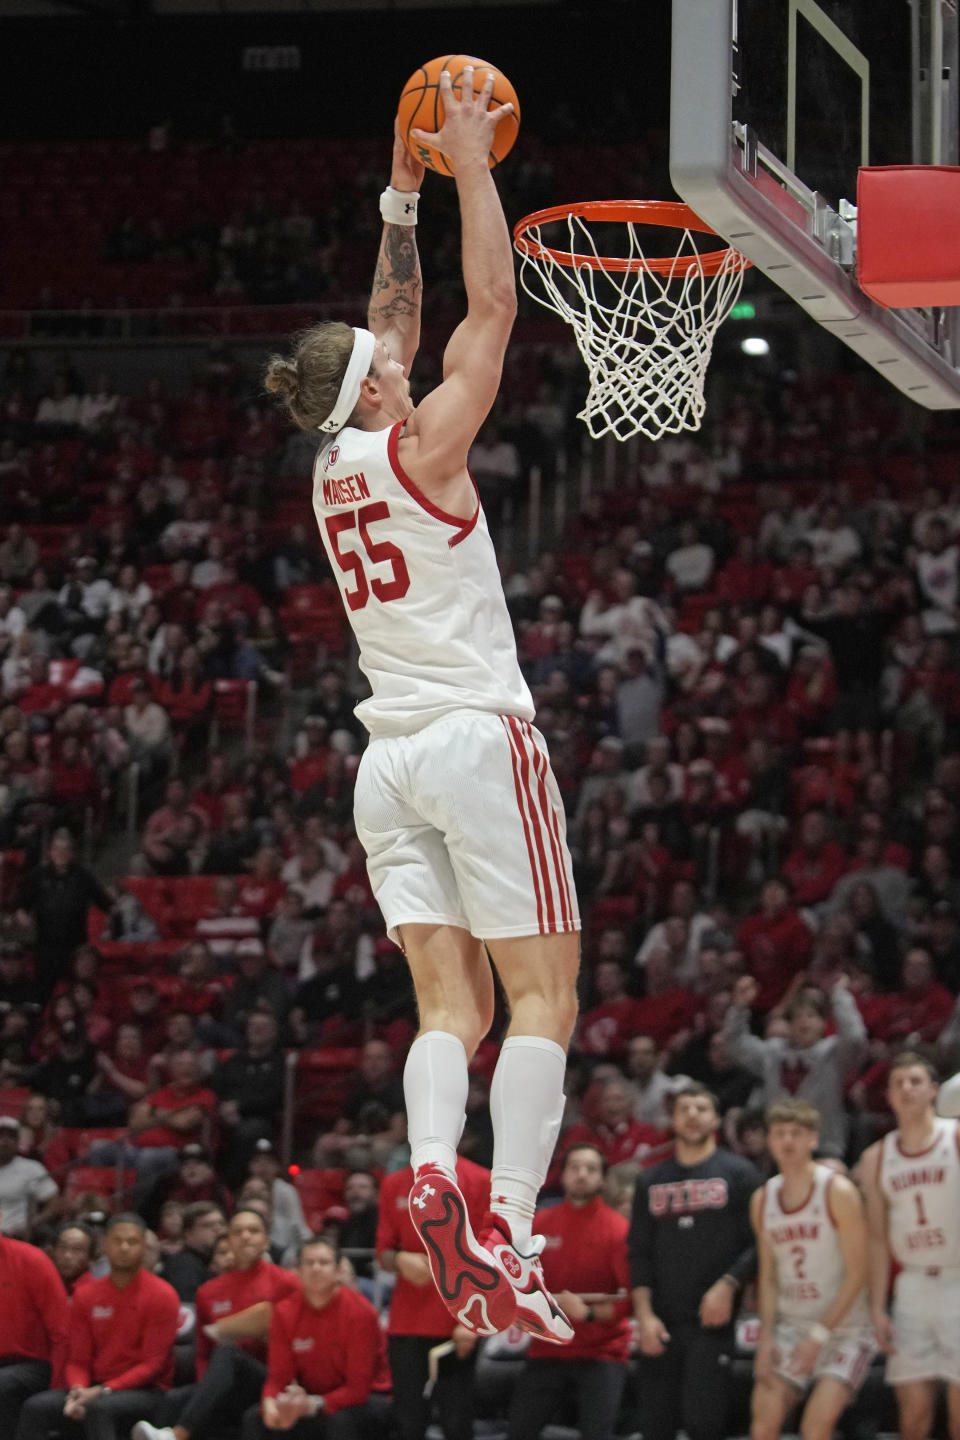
{"points": [[435, 1088], [526, 1107]]}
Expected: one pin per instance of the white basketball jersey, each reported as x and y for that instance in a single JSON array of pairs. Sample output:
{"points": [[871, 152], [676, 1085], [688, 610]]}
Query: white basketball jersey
{"points": [[806, 1246], [421, 589], [923, 1200]]}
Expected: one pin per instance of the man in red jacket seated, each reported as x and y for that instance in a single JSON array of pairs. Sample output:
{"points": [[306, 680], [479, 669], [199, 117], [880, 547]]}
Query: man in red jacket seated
{"points": [[120, 1346], [33, 1326], [585, 1255], [229, 1375], [326, 1355], [419, 1320]]}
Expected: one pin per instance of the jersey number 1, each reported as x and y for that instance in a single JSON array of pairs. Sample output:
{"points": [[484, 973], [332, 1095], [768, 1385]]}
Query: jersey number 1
{"points": [[378, 552]]}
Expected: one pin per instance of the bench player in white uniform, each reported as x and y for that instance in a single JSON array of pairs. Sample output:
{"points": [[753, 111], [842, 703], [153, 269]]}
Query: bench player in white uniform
{"points": [[815, 1328], [455, 802], [911, 1179]]}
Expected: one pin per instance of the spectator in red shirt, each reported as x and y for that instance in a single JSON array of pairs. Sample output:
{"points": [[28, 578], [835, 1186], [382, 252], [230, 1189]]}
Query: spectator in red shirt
{"points": [[325, 1355], [775, 942], [33, 1327], [919, 1010], [229, 1376], [666, 1009], [163, 1123], [122, 1330], [160, 841], [875, 850], [418, 1317], [620, 1139], [817, 863], [585, 1254], [232, 593], [606, 1028]]}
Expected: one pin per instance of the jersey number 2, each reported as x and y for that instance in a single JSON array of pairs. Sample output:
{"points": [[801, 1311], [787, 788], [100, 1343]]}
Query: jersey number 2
{"points": [[378, 552]]}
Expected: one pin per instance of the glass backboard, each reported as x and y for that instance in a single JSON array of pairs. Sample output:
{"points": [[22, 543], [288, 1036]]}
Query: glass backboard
{"points": [[775, 105]]}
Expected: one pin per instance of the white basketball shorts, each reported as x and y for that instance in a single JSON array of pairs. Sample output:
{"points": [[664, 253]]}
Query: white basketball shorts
{"points": [[845, 1356], [926, 1328], [463, 825]]}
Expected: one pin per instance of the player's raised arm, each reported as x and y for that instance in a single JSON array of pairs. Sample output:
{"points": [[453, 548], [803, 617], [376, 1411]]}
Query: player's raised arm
{"points": [[446, 422], [394, 311]]}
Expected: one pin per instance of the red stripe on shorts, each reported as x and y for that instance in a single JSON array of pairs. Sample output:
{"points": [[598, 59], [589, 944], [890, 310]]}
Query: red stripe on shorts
{"points": [[527, 775], [861, 1366], [536, 828], [540, 763], [523, 816]]}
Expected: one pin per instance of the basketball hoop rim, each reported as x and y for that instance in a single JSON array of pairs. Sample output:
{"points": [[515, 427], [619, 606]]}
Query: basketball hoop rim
{"points": [[667, 214]]}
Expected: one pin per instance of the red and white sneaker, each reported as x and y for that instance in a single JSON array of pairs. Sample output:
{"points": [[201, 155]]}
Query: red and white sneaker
{"points": [[472, 1282], [537, 1311]]}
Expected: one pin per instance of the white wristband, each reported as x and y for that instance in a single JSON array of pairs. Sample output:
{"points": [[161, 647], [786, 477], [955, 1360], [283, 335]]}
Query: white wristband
{"points": [[399, 207], [818, 1333]]}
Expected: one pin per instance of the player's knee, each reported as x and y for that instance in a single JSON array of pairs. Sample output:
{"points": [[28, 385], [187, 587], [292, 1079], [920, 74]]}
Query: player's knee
{"points": [[916, 1422], [815, 1428], [762, 1428]]}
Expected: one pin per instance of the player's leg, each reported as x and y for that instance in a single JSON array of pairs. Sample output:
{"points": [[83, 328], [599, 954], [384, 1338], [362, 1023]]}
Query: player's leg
{"points": [[770, 1403], [953, 1411], [454, 989], [916, 1403], [828, 1400], [416, 889], [526, 1108], [706, 1382], [539, 975]]}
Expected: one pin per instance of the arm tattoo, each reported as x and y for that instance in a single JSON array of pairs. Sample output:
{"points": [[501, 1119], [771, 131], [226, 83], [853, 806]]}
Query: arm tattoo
{"points": [[397, 281]]}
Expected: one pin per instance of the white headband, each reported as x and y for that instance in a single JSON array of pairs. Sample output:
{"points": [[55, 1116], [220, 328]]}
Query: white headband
{"points": [[359, 364]]}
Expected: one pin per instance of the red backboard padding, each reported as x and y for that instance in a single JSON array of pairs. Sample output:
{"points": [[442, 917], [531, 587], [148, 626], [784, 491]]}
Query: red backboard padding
{"points": [[908, 220]]}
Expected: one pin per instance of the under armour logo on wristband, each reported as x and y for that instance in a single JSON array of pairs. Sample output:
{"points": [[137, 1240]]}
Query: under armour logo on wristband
{"points": [[421, 1200]]}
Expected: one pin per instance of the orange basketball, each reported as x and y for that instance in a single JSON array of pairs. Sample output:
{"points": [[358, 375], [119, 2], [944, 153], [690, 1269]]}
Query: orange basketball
{"points": [[421, 107]]}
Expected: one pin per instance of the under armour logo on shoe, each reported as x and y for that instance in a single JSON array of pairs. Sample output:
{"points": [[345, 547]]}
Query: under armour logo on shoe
{"points": [[421, 1200], [510, 1263]]}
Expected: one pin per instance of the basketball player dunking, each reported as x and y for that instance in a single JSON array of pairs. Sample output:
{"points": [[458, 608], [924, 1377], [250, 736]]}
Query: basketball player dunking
{"points": [[455, 803], [911, 1180], [814, 1317]]}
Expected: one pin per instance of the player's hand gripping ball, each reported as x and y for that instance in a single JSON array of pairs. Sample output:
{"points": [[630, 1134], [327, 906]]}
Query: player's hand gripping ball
{"points": [[421, 108]]}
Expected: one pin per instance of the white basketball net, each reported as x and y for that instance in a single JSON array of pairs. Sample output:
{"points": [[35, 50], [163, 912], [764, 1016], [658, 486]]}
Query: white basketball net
{"points": [[646, 339]]}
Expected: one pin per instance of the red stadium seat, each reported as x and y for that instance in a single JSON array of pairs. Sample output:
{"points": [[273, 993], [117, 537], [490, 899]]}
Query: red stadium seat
{"points": [[101, 1180], [12, 1100]]}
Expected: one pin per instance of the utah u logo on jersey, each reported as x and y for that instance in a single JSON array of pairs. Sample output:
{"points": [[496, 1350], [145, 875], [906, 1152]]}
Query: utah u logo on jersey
{"points": [[333, 457]]}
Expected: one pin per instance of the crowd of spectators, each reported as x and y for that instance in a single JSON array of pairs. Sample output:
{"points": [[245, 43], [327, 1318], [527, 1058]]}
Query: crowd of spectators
{"points": [[192, 224], [744, 660]]}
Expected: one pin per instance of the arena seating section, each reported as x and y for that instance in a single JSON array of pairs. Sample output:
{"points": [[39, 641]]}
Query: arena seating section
{"points": [[734, 571]]}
